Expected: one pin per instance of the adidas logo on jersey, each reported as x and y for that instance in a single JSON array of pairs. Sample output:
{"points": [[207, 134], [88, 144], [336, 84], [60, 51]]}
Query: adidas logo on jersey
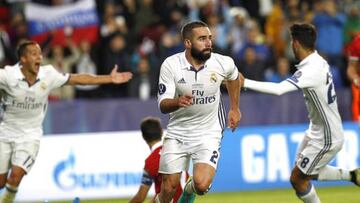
{"points": [[181, 81]]}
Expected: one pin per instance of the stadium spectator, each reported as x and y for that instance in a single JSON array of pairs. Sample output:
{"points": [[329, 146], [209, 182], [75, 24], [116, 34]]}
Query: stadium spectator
{"points": [[325, 136], [330, 24], [189, 90], [87, 63], [27, 85], [281, 72], [63, 63], [353, 75], [251, 65], [140, 86], [152, 133]]}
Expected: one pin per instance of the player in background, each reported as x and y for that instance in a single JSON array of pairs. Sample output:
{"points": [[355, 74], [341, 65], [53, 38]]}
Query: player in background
{"points": [[353, 52], [26, 87], [325, 136], [152, 133], [189, 91]]}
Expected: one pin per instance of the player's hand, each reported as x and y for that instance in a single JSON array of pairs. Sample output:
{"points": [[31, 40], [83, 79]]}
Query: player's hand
{"points": [[234, 118], [356, 82], [119, 78], [185, 100]]}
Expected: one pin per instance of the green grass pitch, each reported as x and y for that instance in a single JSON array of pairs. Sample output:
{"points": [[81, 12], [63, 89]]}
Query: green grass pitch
{"points": [[340, 194]]}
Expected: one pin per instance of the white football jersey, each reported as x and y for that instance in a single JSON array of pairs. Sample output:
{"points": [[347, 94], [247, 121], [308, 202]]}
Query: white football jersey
{"points": [[207, 116], [315, 79], [25, 107]]}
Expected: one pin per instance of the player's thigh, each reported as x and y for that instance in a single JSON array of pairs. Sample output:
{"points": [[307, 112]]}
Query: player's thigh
{"points": [[25, 153], [5, 156], [315, 156], [174, 157], [207, 152]]}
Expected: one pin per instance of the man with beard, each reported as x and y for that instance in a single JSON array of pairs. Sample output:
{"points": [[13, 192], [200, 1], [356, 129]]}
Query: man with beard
{"points": [[324, 137], [189, 91]]}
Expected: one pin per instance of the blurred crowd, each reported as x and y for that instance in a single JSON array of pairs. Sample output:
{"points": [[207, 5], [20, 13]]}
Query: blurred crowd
{"points": [[139, 34]]}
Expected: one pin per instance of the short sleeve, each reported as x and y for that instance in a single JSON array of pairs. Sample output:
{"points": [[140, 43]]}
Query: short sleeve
{"points": [[58, 79], [3, 78], [231, 71], [166, 83], [305, 78]]}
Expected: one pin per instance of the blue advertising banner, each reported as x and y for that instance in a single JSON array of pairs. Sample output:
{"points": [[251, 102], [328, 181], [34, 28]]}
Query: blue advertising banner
{"points": [[262, 157]]}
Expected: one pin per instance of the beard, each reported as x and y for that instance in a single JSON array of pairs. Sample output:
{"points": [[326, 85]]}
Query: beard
{"points": [[200, 55]]}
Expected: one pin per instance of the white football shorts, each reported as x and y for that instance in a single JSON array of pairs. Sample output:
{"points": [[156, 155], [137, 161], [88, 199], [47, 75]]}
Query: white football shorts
{"points": [[176, 155], [313, 156], [21, 153]]}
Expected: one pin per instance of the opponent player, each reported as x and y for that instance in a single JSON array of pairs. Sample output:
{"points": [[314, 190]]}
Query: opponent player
{"points": [[189, 90], [325, 136], [353, 75], [152, 132], [27, 85]]}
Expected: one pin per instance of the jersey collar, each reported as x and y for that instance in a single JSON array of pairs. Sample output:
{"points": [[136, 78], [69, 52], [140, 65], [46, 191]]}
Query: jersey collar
{"points": [[20, 76], [186, 65], [306, 60], [156, 145]]}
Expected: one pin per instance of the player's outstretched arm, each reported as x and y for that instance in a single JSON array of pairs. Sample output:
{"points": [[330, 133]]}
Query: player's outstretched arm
{"points": [[88, 79], [270, 87]]}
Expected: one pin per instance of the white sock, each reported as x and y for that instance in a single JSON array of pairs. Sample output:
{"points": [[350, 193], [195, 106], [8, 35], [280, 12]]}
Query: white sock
{"points": [[9, 194], [309, 196], [333, 173]]}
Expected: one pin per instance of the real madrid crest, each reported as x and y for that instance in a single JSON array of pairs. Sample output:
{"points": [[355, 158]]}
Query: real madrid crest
{"points": [[213, 78], [43, 86]]}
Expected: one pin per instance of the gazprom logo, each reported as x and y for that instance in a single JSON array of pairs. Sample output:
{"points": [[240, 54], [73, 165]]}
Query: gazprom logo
{"points": [[67, 178]]}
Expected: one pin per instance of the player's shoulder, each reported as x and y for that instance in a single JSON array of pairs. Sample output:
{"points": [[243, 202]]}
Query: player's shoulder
{"points": [[47, 68], [222, 59], [174, 60]]}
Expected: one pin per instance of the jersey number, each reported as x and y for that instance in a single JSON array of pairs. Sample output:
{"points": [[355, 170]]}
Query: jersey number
{"points": [[331, 94], [214, 157], [331, 90], [304, 162]]}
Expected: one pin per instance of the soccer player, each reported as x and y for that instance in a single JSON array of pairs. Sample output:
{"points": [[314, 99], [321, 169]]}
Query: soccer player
{"points": [[189, 91], [325, 136], [152, 132], [353, 75], [27, 85]]}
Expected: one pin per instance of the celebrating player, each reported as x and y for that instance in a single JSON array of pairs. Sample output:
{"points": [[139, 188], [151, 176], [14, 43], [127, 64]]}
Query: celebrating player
{"points": [[27, 85], [325, 136], [189, 90]]}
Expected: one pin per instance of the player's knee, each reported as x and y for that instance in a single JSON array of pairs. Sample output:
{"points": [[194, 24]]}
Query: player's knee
{"points": [[14, 179], [202, 188], [168, 188]]}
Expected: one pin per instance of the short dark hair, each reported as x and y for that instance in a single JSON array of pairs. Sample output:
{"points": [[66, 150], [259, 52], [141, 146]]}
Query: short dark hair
{"points": [[188, 27], [305, 33], [151, 129], [22, 48]]}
